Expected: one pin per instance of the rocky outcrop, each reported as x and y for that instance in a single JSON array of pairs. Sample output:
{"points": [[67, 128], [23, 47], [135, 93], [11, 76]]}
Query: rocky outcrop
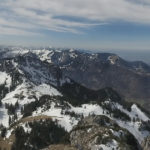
{"points": [[100, 132], [146, 144]]}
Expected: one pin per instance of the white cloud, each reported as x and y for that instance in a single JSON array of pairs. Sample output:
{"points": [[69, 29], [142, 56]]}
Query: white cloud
{"points": [[14, 31], [46, 14]]}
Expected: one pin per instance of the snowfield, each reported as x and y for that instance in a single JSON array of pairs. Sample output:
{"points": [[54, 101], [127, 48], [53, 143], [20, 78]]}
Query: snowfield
{"points": [[28, 90], [109, 146], [4, 117], [23, 94], [5, 79], [137, 112]]}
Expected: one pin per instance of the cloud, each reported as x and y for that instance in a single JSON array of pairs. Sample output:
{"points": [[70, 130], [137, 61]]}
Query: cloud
{"points": [[14, 31], [25, 15]]}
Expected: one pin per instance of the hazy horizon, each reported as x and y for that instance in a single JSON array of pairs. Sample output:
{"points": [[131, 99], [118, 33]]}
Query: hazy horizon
{"points": [[129, 55]]}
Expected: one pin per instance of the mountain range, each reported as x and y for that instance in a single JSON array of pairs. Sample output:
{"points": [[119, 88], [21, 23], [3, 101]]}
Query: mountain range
{"points": [[70, 99], [98, 70]]}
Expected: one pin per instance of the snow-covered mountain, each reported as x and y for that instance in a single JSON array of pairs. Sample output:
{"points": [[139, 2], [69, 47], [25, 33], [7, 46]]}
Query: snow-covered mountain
{"points": [[36, 93], [96, 70]]}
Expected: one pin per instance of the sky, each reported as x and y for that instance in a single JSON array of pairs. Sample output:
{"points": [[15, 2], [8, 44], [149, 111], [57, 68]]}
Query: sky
{"points": [[89, 24]]}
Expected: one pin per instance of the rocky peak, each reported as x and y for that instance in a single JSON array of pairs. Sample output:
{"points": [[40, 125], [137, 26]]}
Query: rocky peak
{"points": [[146, 144], [113, 59], [100, 132]]}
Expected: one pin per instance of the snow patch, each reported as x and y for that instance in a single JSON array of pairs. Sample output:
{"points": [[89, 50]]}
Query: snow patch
{"points": [[45, 89], [109, 146], [136, 111], [5, 78]]}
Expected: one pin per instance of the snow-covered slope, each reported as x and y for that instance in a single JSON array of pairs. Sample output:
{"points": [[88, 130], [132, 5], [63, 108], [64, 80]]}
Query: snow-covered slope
{"points": [[5, 79], [65, 119], [24, 94]]}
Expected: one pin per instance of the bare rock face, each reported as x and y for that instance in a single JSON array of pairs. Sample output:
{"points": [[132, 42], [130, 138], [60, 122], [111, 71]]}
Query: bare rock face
{"points": [[146, 144], [100, 132]]}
